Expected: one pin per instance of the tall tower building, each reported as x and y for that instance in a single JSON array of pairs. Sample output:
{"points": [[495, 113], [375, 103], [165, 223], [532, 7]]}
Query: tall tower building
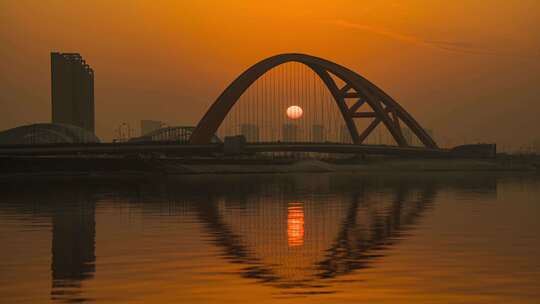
{"points": [[72, 90]]}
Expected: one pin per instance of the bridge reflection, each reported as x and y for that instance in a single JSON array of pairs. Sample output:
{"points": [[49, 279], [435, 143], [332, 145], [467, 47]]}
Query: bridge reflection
{"points": [[287, 231], [293, 241]]}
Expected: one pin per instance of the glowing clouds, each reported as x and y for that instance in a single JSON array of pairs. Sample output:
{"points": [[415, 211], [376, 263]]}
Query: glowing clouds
{"points": [[294, 112]]}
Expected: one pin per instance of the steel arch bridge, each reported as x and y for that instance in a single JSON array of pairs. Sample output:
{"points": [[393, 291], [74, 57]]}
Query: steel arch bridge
{"points": [[356, 92]]}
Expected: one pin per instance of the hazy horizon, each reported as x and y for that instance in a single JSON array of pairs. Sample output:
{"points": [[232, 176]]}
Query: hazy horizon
{"points": [[468, 70]]}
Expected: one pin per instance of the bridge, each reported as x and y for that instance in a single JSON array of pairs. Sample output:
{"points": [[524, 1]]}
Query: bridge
{"points": [[211, 149], [178, 134], [354, 97], [337, 111]]}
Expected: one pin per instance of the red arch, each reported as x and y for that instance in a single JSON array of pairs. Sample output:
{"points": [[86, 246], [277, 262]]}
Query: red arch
{"points": [[384, 108]]}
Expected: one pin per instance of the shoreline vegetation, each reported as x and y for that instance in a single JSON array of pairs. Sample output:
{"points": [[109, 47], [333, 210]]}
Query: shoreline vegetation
{"points": [[95, 166]]}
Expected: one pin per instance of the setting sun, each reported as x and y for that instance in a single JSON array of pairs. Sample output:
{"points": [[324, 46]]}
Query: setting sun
{"points": [[294, 112]]}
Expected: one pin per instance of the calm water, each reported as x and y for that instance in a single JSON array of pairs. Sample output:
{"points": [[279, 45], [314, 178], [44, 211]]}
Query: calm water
{"points": [[321, 238]]}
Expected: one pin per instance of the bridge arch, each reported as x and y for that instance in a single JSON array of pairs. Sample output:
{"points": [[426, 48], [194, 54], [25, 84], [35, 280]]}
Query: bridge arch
{"points": [[384, 109]]}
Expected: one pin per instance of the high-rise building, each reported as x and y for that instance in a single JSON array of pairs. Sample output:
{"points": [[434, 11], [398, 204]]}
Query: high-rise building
{"points": [[250, 132], [148, 126], [317, 133], [290, 132], [72, 90]]}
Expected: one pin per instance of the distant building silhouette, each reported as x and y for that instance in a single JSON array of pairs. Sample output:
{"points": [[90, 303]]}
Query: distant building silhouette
{"points": [[290, 132], [72, 90], [124, 132], [148, 126], [250, 132], [317, 133]]}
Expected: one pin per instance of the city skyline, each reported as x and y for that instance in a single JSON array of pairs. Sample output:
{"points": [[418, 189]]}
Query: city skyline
{"points": [[456, 76]]}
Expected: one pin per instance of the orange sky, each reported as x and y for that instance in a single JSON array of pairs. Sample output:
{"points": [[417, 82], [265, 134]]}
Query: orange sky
{"points": [[467, 69]]}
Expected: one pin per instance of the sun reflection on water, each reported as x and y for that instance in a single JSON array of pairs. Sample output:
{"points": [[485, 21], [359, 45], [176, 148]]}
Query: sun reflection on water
{"points": [[295, 224]]}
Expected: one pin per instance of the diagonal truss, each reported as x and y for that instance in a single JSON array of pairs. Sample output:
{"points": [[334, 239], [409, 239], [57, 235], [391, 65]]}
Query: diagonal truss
{"points": [[380, 112]]}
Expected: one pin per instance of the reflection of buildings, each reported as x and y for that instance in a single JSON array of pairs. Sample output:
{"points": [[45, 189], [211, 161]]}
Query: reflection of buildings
{"points": [[73, 239], [72, 90], [73, 243], [71, 210]]}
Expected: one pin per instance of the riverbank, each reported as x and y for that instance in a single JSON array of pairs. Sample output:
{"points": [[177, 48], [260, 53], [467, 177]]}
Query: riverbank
{"points": [[178, 166]]}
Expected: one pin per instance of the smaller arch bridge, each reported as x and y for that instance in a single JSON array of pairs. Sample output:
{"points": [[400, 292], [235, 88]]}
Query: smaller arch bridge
{"points": [[179, 134], [355, 93]]}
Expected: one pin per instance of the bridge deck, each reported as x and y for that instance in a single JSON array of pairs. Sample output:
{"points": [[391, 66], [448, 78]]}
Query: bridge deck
{"points": [[186, 149]]}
